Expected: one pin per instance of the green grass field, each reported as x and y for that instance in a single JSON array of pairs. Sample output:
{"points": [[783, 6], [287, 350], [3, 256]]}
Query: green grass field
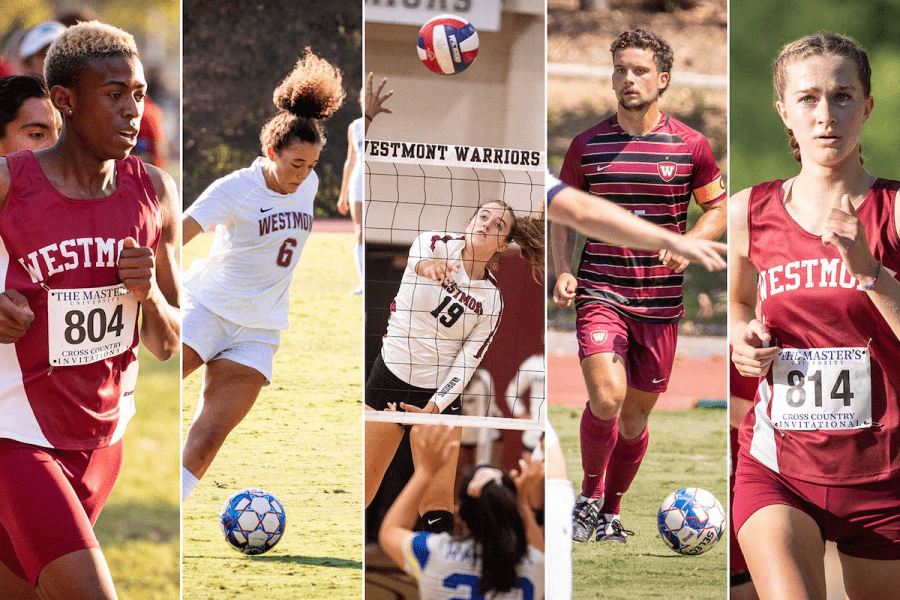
{"points": [[138, 528], [302, 441], [687, 449]]}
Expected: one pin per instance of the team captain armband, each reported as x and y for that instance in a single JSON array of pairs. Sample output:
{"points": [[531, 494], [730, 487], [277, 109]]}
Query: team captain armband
{"points": [[713, 191]]}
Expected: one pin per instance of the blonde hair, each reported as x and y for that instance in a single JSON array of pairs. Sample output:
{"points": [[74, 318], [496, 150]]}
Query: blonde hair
{"points": [[311, 93], [80, 44], [822, 43]]}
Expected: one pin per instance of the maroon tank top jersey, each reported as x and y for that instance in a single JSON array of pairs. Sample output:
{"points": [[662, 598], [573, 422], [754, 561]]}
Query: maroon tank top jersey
{"points": [[68, 382], [828, 412], [653, 176]]}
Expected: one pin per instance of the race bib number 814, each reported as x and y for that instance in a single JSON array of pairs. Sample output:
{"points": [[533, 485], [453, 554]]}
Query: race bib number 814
{"points": [[90, 324], [822, 388]]}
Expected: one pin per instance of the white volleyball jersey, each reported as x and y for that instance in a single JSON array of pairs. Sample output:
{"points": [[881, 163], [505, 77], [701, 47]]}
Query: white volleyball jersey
{"points": [[447, 568], [357, 130], [259, 237], [437, 334]]}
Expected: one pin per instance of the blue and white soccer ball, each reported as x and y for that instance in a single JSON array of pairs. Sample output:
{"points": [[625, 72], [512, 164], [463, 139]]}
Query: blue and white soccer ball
{"points": [[690, 521], [447, 44], [252, 521]]}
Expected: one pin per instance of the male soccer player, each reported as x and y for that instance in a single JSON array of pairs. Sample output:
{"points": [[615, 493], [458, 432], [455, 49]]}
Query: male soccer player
{"points": [[628, 301]]}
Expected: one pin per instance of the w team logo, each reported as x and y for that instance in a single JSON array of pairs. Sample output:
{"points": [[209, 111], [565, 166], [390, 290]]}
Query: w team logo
{"points": [[666, 170], [598, 337]]}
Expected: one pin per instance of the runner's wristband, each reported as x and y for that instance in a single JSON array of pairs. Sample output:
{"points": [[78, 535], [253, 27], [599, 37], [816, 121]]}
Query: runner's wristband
{"points": [[871, 285]]}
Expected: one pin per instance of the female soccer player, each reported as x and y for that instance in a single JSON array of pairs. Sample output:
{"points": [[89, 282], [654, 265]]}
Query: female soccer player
{"points": [[820, 451], [499, 556], [442, 321], [351, 196], [28, 120], [88, 241], [263, 215]]}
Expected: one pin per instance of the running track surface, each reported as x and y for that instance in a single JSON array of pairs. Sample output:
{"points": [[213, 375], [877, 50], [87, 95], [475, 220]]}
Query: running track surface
{"points": [[692, 379], [333, 226]]}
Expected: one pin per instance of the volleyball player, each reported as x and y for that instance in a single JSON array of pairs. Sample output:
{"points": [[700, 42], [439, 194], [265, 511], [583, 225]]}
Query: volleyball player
{"points": [[28, 120], [820, 451], [499, 555], [628, 301], [443, 319], [88, 241], [262, 216]]}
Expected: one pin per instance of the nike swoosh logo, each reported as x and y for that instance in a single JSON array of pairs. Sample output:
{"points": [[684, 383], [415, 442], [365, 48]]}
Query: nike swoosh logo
{"points": [[265, 210], [433, 521], [601, 167], [659, 380]]}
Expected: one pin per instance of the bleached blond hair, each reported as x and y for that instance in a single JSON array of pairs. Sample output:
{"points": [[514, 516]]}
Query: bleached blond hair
{"points": [[80, 44]]}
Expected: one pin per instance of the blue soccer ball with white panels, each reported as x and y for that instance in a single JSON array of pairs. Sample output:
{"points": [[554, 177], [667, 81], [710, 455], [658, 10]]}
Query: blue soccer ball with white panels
{"points": [[690, 521], [252, 521]]}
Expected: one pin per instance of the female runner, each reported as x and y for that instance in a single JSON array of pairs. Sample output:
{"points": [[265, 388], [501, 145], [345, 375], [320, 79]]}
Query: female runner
{"points": [[87, 243], [820, 451], [500, 555], [442, 321], [263, 215]]}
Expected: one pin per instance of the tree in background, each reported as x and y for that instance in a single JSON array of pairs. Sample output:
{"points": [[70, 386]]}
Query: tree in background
{"points": [[235, 53]]}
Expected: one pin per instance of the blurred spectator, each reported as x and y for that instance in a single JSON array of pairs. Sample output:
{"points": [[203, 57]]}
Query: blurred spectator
{"points": [[35, 43], [10, 53]]}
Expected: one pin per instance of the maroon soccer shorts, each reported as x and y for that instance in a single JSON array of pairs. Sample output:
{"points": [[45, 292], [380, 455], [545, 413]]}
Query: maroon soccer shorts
{"points": [[49, 502], [647, 349], [862, 519], [737, 562]]}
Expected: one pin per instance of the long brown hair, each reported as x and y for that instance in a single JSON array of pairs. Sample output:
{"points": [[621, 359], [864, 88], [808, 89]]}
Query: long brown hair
{"points": [[528, 233]]}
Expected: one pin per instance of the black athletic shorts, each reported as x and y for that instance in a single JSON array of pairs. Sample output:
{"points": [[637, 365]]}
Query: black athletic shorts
{"points": [[383, 387]]}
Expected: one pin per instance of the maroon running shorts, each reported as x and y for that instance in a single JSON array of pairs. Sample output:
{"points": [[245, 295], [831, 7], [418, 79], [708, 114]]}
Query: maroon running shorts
{"points": [[863, 519], [49, 502]]}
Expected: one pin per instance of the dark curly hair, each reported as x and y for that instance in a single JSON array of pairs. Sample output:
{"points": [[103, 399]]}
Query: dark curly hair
{"points": [[647, 40], [310, 94]]}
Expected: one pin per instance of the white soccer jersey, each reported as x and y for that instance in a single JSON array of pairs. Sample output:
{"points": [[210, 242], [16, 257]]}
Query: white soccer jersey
{"points": [[259, 237], [357, 130], [438, 334], [446, 568]]}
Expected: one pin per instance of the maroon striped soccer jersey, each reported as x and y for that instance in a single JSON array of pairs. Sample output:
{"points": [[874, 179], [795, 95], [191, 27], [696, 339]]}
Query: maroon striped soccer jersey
{"points": [[810, 304], [68, 382], [653, 176]]}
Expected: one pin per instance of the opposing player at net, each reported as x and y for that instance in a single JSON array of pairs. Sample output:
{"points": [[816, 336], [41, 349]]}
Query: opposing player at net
{"points": [[500, 553], [443, 319], [236, 300], [814, 307], [89, 242], [628, 301]]}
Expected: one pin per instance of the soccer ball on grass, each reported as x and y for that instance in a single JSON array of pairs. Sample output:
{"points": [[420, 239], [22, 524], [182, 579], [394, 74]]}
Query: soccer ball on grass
{"points": [[690, 521], [252, 521]]}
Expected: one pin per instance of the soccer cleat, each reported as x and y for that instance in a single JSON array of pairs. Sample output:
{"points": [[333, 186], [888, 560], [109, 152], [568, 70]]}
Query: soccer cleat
{"points": [[609, 529], [585, 516]]}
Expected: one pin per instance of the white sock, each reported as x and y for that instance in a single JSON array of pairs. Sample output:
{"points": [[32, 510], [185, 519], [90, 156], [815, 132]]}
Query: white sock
{"points": [[188, 483], [358, 255], [560, 495]]}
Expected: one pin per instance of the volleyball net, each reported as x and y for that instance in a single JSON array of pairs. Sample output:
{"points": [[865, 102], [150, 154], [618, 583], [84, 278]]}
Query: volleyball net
{"points": [[413, 188]]}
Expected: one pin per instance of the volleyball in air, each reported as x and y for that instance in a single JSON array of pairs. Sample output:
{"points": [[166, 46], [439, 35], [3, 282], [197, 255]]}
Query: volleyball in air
{"points": [[448, 44]]}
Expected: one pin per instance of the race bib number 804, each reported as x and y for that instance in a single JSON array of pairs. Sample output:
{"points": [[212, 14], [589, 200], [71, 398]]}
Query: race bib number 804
{"points": [[822, 388], [90, 324]]}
